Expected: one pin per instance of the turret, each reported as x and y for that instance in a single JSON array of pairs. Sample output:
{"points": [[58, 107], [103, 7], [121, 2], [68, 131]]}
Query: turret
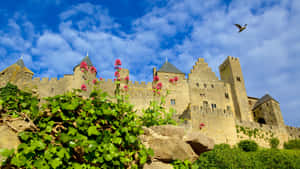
{"points": [[81, 77], [17, 74]]}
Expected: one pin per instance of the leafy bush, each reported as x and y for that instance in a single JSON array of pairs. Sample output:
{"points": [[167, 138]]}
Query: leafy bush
{"points": [[248, 145], [14, 101], [292, 144], [274, 142], [82, 133], [222, 156]]}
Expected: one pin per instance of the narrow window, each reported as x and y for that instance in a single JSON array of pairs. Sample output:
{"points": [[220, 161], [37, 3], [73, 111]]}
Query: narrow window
{"points": [[226, 96], [228, 107], [197, 84], [238, 78], [172, 101], [250, 102], [213, 106], [205, 103], [212, 86], [205, 85]]}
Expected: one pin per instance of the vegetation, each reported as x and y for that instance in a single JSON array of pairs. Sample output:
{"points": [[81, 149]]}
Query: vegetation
{"points": [[274, 142], [15, 102], [248, 145], [292, 144], [222, 156]]}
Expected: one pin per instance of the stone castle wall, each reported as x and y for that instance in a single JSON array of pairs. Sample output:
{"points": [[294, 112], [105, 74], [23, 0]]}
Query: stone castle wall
{"points": [[221, 105]]}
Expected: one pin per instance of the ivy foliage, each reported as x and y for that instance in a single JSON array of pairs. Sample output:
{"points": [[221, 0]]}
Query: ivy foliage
{"points": [[13, 101], [156, 114], [82, 133]]}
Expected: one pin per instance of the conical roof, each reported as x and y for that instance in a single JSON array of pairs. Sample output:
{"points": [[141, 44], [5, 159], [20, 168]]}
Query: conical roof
{"points": [[168, 67], [85, 59], [264, 99], [20, 62]]}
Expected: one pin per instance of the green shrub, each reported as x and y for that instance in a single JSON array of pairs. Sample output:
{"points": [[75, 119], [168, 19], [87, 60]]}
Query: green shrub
{"points": [[248, 145], [274, 142], [292, 144], [222, 156]]}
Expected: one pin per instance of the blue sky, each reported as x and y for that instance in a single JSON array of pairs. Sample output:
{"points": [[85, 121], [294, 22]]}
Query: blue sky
{"points": [[54, 35]]}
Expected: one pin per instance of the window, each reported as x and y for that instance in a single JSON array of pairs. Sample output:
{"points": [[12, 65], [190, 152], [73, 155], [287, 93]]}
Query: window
{"points": [[197, 84], [52, 90], [250, 102], [205, 103], [212, 86], [228, 107], [254, 115], [238, 78], [205, 85], [226, 96], [213, 106], [172, 101], [202, 94]]}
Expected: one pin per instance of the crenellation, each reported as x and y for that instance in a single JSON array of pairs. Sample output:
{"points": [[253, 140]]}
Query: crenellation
{"points": [[45, 80]]}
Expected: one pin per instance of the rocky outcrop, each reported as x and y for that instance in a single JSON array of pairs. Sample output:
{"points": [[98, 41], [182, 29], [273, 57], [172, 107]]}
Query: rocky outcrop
{"points": [[199, 142], [171, 143]]}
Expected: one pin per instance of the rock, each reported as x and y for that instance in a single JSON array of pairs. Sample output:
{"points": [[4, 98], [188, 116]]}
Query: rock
{"points": [[169, 130], [157, 165], [170, 148], [199, 142], [8, 139]]}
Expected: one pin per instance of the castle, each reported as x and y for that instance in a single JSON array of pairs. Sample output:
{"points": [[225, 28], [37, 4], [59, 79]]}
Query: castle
{"points": [[229, 114]]}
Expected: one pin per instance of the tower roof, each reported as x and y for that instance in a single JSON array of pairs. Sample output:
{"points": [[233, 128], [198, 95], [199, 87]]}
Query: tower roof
{"points": [[20, 62], [85, 59], [168, 67], [264, 99]]}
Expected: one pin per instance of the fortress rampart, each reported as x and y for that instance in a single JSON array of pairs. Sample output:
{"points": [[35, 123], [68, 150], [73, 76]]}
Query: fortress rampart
{"points": [[222, 104]]}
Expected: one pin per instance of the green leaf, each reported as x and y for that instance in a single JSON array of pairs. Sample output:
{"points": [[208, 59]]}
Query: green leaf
{"points": [[39, 144], [6, 152], [41, 164], [93, 131], [25, 135], [117, 140], [55, 163], [62, 152], [131, 139], [108, 157]]}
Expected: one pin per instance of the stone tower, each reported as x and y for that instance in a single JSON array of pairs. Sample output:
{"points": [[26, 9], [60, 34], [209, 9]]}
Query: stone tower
{"points": [[231, 72], [82, 78], [267, 111]]}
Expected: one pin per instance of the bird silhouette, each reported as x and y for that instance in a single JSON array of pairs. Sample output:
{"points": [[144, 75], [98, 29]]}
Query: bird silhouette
{"points": [[241, 28]]}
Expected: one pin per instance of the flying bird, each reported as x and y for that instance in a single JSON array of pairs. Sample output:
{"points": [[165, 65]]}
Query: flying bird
{"points": [[241, 28]]}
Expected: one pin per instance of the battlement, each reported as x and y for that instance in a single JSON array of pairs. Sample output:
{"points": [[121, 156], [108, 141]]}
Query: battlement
{"points": [[142, 84]]}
